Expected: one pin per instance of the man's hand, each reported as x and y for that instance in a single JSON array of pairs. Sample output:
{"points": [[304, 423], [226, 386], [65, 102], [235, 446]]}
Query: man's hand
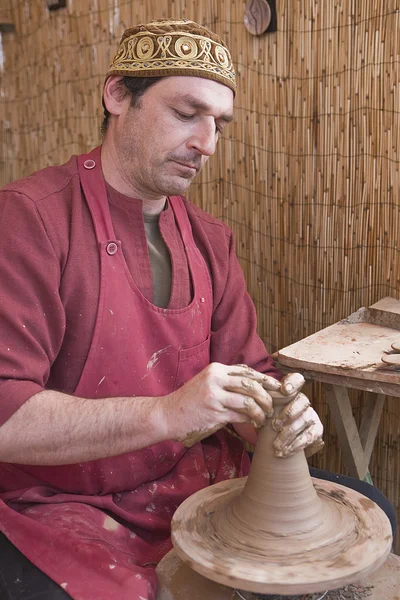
{"points": [[216, 396], [297, 423], [238, 394]]}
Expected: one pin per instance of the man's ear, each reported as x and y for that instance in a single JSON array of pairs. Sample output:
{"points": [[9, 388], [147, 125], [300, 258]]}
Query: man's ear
{"points": [[114, 95]]}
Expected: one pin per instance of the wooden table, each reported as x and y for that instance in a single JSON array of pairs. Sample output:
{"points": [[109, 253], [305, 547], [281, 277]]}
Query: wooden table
{"points": [[348, 355]]}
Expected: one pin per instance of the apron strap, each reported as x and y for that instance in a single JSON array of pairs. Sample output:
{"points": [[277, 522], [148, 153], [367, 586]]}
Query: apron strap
{"points": [[182, 219], [94, 189]]}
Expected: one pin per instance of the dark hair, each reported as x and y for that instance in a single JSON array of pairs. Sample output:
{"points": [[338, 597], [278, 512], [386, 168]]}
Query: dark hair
{"points": [[136, 87]]}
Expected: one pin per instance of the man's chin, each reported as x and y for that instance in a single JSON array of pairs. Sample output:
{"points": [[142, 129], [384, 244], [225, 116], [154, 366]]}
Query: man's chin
{"points": [[177, 186]]}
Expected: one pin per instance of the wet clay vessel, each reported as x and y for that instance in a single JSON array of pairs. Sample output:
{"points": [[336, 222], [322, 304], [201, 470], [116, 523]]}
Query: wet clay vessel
{"points": [[279, 531]]}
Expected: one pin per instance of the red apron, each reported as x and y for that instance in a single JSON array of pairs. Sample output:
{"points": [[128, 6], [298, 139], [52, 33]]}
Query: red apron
{"points": [[95, 527]]}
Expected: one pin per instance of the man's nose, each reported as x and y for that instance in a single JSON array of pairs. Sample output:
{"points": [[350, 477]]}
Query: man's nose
{"points": [[204, 139]]}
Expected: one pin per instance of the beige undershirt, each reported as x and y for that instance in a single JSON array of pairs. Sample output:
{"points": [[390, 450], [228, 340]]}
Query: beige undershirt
{"points": [[160, 262]]}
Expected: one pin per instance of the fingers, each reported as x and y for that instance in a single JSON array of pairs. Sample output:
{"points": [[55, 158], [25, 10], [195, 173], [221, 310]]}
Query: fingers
{"points": [[292, 383], [251, 398], [222, 394], [256, 385], [288, 435], [246, 409], [269, 383], [218, 395], [316, 446], [305, 441], [292, 411], [306, 431]]}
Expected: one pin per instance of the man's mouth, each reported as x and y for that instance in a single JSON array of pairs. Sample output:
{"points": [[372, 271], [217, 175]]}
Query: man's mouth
{"points": [[188, 165]]}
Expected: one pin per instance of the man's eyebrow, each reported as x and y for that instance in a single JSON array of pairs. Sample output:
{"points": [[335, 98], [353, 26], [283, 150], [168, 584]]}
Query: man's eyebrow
{"points": [[199, 105]]}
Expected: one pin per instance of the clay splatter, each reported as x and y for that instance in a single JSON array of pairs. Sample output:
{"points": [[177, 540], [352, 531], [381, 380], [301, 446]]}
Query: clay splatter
{"points": [[110, 524], [154, 359]]}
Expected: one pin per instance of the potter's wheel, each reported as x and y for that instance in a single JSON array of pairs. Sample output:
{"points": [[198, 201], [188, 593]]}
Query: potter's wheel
{"points": [[249, 596], [178, 582], [279, 531]]}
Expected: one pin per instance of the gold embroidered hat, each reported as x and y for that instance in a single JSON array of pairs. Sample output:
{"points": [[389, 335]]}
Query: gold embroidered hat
{"points": [[173, 47]]}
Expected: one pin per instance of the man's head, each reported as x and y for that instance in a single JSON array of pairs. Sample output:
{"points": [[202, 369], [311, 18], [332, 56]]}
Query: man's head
{"points": [[168, 93]]}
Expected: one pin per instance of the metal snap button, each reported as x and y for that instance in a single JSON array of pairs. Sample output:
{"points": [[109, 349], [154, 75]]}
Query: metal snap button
{"points": [[89, 164], [112, 248]]}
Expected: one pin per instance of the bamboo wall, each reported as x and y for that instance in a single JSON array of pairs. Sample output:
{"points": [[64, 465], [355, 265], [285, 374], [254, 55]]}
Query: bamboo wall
{"points": [[307, 175]]}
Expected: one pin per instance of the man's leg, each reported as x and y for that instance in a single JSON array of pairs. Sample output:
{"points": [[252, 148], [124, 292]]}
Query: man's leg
{"points": [[363, 488], [21, 580]]}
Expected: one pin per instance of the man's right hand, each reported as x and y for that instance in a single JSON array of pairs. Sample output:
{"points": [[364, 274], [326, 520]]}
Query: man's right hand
{"points": [[216, 396]]}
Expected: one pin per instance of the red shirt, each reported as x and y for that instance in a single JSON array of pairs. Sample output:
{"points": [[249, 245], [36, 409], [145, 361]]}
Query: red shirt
{"points": [[49, 282]]}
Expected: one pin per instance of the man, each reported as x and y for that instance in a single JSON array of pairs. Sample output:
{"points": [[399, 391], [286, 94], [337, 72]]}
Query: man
{"points": [[129, 350]]}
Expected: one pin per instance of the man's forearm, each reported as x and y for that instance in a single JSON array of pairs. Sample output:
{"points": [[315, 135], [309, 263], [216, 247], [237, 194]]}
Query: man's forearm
{"points": [[52, 428]]}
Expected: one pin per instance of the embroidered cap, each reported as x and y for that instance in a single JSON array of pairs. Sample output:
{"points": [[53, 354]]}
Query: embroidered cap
{"points": [[173, 47]]}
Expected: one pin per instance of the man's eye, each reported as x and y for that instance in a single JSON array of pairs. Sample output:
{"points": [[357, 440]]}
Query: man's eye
{"points": [[183, 116]]}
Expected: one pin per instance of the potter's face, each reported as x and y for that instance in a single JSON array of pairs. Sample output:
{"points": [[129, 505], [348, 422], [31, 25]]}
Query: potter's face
{"points": [[166, 140]]}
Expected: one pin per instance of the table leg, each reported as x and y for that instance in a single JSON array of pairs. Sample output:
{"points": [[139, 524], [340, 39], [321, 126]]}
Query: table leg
{"points": [[346, 428], [370, 419]]}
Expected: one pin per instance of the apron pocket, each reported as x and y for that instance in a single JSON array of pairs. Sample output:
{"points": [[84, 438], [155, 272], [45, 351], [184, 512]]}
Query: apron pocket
{"points": [[191, 361]]}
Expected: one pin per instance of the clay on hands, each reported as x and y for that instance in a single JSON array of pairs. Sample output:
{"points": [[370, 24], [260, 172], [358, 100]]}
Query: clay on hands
{"points": [[249, 380], [238, 395], [215, 397], [297, 423]]}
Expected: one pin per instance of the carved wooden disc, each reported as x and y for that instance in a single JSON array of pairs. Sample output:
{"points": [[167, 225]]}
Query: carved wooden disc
{"points": [[352, 540], [257, 16]]}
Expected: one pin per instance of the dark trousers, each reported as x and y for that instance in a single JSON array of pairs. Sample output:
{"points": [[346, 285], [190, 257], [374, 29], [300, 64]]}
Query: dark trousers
{"points": [[21, 580]]}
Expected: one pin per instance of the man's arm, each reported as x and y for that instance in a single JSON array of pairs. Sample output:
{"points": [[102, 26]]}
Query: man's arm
{"points": [[32, 315], [52, 428]]}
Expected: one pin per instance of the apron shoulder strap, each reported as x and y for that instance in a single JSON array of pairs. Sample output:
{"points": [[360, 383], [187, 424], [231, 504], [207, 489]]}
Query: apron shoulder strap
{"points": [[94, 189], [185, 228]]}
